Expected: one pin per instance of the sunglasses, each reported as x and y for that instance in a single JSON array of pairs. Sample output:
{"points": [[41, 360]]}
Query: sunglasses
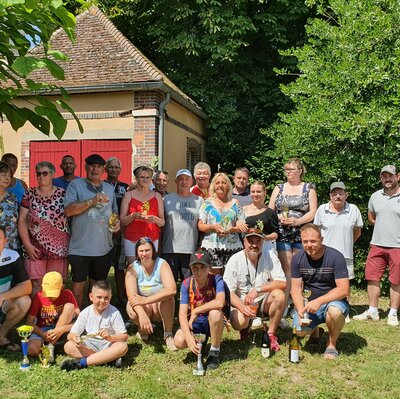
{"points": [[45, 173]]}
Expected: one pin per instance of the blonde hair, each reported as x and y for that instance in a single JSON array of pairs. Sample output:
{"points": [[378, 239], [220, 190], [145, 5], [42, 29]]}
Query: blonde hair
{"points": [[228, 181], [299, 165]]}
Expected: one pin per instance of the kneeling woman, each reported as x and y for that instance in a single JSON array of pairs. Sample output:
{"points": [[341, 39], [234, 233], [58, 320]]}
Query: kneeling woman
{"points": [[151, 289]]}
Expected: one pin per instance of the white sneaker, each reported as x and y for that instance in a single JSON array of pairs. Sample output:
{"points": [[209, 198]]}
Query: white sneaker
{"points": [[169, 341], [366, 316], [347, 320], [393, 320]]}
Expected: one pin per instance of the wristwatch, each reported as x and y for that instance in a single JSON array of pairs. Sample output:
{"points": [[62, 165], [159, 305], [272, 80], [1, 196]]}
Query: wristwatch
{"points": [[258, 290]]}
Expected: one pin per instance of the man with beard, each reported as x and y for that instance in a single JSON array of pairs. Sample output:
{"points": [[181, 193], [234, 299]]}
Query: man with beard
{"points": [[68, 166], [256, 281], [160, 181], [321, 270], [384, 214], [340, 224]]}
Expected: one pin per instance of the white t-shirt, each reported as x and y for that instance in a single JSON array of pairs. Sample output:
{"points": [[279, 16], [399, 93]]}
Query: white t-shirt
{"points": [[241, 276], [89, 321]]}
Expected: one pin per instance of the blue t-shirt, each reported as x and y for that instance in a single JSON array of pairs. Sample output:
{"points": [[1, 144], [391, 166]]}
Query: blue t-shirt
{"points": [[61, 182], [319, 275], [215, 284]]}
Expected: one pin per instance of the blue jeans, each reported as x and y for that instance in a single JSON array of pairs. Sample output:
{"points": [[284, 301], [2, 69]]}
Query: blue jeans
{"points": [[285, 246], [320, 317]]}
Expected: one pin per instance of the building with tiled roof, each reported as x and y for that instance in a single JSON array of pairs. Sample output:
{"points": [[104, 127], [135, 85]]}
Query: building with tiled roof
{"points": [[126, 105]]}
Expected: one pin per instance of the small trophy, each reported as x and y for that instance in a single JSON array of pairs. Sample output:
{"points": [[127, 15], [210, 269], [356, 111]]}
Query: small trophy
{"points": [[24, 332], [44, 356], [285, 212], [199, 370], [146, 207], [112, 221], [226, 223], [306, 318]]}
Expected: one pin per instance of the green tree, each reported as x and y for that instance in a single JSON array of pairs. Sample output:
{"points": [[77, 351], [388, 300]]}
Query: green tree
{"points": [[222, 54], [24, 24], [346, 120]]}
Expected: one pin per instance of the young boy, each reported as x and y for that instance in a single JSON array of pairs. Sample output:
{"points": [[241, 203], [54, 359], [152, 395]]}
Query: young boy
{"points": [[200, 310], [106, 333], [51, 314]]}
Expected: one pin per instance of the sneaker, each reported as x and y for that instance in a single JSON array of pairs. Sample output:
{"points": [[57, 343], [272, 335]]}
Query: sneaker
{"points": [[393, 320], [347, 320], [212, 360], [366, 316], [142, 335], [273, 339], [285, 325], [169, 341], [71, 364], [118, 363]]}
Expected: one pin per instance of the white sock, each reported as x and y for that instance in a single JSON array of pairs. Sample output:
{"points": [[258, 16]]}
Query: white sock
{"points": [[167, 334], [214, 348], [393, 312], [373, 310]]}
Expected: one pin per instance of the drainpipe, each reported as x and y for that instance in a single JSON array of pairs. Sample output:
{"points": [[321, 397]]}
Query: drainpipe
{"points": [[163, 104]]}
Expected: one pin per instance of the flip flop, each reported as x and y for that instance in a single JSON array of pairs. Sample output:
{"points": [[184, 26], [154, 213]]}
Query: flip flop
{"points": [[10, 347], [332, 352], [316, 341]]}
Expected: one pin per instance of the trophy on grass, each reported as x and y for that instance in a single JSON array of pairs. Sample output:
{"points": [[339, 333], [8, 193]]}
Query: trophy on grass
{"points": [[199, 370], [306, 318], [24, 332], [44, 356]]}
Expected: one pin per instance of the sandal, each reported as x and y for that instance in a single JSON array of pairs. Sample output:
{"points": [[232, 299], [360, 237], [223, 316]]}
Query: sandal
{"points": [[331, 352], [10, 347]]}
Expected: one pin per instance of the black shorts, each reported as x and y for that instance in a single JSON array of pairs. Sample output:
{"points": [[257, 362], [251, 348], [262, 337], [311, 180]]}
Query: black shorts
{"points": [[96, 267], [179, 264]]}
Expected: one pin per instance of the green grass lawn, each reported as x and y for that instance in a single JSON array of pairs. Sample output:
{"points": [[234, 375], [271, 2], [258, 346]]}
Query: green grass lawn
{"points": [[366, 368]]}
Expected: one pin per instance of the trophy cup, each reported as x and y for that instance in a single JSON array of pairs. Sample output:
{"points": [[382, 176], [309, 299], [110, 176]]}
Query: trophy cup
{"points": [[24, 332], [199, 370], [112, 221], [146, 207], [306, 318], [44, 356], [285, 212]]}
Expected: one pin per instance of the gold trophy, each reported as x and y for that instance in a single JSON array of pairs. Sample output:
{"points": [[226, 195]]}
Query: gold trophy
{"points": [[24, 332], [306, 318], [44, 356], [199, 370], [146, 207], [285, 212], [112, 221], [226, 223]]}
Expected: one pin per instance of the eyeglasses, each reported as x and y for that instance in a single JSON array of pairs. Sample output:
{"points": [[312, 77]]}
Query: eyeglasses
{"points": [[145, 177], [290, 170], [44, 173]]}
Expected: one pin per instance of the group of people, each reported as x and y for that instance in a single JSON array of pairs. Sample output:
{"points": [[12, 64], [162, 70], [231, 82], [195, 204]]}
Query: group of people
{"points": [[238, 259]]}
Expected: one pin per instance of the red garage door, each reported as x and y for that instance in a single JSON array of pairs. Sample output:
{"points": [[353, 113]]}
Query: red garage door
{"points": [[53, 151]]}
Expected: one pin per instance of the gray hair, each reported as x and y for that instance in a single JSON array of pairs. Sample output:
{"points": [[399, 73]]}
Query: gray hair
{"points": [[202, 165], [45, 164], [109, 160]]}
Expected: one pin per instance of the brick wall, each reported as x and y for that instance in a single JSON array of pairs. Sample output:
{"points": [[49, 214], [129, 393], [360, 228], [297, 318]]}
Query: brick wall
{"points": [[24, 164]]}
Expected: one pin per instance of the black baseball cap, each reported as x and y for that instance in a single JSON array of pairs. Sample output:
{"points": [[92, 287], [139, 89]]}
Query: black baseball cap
{"points": [[201, 257], [95, 158]]}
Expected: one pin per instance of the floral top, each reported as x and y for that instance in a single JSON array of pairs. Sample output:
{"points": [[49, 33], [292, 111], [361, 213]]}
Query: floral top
{"points": [[9, 220], [47, 224], [227, 218], [296, 206]]}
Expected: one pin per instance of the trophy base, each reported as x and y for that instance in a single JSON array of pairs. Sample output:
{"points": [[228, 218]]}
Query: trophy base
{"points": [[305, 322], [199, 372]]}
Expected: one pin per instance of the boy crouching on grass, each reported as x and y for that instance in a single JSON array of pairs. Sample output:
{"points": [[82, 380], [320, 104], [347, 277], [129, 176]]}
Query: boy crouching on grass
{"points": [[200, 310], [106, 336], [51, 314]]}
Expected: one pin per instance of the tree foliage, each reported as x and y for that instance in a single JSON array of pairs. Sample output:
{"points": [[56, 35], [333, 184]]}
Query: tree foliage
{"points": [[222, 54], [24, 24], [346, 120]]}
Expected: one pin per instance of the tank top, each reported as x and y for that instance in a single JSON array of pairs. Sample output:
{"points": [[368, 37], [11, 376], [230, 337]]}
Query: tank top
{"points": [[149, 284], [140, 228], [17, 189]]}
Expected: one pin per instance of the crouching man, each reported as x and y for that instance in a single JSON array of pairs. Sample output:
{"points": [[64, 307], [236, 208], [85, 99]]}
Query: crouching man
{"points": [[256, 282], [323, 271], [200, 310]]}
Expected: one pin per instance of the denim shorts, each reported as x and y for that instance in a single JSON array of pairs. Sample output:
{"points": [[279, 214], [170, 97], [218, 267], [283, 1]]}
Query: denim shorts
{"points": [[320, 316], [44, 329], [285, 246]]}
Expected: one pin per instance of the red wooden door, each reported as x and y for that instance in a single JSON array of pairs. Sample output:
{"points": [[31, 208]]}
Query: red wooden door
{"points": [[53, 151]]}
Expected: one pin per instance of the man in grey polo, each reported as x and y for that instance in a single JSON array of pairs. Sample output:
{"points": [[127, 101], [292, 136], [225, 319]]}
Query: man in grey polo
{"points": [[90, 204], [180, 235], [341, 224], [384, 214]]}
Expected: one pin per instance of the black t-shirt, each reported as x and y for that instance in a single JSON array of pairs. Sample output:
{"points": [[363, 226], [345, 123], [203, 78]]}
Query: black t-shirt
{"points": [[120, 189], [269, 219], [319, 275]]}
